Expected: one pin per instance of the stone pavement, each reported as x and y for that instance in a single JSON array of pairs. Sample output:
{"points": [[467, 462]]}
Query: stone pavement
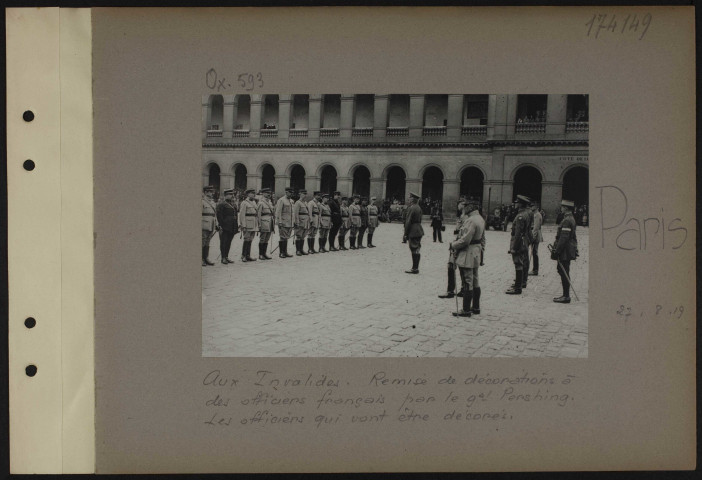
{"points": [[360, 303]]}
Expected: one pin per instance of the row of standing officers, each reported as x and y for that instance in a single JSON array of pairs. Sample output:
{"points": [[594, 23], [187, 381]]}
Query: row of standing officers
{"points": [[323, 218]]}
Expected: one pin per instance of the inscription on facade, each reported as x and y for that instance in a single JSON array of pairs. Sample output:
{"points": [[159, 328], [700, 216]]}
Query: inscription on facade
{"points": [[573, 159]]}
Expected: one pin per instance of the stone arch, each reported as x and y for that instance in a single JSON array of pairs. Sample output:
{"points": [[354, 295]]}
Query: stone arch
{"points": [[328, 176], [471, 165], [267, 173], [571, 167], [528, 181], [426, 166], [240, 174], [388, 167], [528, 164], [472, 187], [360, 180], [432, 183], [576, 184]]}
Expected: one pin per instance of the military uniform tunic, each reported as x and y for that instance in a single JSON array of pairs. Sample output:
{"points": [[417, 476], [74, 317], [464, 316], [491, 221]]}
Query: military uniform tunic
{"points": [[248, 219], [284, 217], [209, 221], [355, 215], [413, 227], [566, 249], [325, 220], [227, 216], [265, 220], [313, 207], [372, 218], [345, 220], [468, 246], [518, 243], [301, 218]]}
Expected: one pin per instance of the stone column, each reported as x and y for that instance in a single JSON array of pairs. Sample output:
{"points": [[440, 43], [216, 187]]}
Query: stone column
{"points": [[380, 116], [449, 202], [226, 181], [281, 183], [376, 188], [455, 116], [556, 111], [551, 193], [205, 118], [284, 115], [315, 115], [228, 116], [256, 120], [343, 184], [348, 107], [492, 195], [413, 185], [512, 101], [497, 125], [254, 180], [416, 115]]}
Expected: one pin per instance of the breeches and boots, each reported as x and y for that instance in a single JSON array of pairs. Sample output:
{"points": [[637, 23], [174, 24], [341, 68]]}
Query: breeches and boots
{"points": [[333, 232], [415, 246], [471, 289], [564, 272], [246, 247], [300, 234], [285, 234], [206, 236], [263, 239], [311, 234], [437, 232], [370, 236], [342, 237], [535, 257], [361, 232], [352, 237], [323, 233]]}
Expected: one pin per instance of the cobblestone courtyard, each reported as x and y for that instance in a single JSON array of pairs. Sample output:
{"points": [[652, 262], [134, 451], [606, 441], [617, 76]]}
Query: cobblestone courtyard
{"points": [[360, 303]]}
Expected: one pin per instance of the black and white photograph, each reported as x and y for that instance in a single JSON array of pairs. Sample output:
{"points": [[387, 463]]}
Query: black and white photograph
{"points": [[395, 225]]}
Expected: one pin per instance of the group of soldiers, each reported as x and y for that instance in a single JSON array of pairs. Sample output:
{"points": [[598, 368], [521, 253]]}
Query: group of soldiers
{"points": [[323, 217], [466, 250]]}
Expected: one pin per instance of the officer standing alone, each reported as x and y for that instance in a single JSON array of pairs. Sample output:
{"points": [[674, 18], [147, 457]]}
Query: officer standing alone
{"points": [[566, 248], [414, 231]]}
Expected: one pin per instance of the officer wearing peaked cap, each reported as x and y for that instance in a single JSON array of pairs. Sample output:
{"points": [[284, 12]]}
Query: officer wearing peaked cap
{"points": [[227, 216], [414, 231], [355, 215], [209, 222], [565, 249], [314, 208], [372, 221], [264, 213], [529, 238], [284, 220], [518, 244], [325, 222], [248, 222], [345, 222], [301, 220], [335, 207]]}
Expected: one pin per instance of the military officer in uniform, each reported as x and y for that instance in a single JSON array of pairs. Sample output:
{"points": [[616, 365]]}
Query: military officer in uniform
{"points": [[414, 231], [284, 220], [529, 239], [313, 207], [372, 221], [335, 207], [468, 246], [227, 217], [209, 222], [325, 222], [345, 222], [301, 220], [536, 238], [566, 248], [264, 215], [248, 222], [355, 214], [518, 243], [451, 287], [364, 222]]}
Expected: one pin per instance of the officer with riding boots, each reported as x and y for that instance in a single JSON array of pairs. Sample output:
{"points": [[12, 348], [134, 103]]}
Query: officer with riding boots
{"points": [[518, 244], [209, 222], [314, 208], [468, 246], [345, 222], [536, 238], [301, 219], [566, 248], [266, 226], [227, 215], [325, 222], [529, 236], [364, 222], [372, 221], [414, 231], [335, 207], [451, 287], [248, 222], [284, 220], [355, 214]]}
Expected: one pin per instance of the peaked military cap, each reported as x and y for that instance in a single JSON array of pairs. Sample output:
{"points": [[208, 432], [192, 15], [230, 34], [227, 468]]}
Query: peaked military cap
{"points": [[568, 203], [356, 195], [265, 190], [413, 195], [522, 199], [316, 193], [373, 199], [229, 191], [207, 188], [336, 193], [344, 198], [325, 195], [250, 190], [289, 189], [303, 191]]}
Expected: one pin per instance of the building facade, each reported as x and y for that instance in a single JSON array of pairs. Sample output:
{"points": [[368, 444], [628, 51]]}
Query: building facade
{"points": [[491, 147]]}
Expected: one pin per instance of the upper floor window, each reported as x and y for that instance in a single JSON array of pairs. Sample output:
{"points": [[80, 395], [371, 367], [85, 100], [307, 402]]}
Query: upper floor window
{"points": [[578, 109], [531, 108]]}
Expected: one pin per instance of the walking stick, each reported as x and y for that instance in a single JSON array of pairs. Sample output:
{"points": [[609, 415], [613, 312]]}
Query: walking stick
{"points": [[550, 249]]}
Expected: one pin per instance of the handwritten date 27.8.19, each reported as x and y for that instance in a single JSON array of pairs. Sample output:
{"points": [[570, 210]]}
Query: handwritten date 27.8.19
{"points": [[660, 311], [630, 24]]}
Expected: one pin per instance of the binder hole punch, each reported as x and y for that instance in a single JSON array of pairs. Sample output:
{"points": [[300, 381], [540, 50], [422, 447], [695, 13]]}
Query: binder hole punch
{"points": [[30, 370], [28, 165], [28, 116], [30, 322]]}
